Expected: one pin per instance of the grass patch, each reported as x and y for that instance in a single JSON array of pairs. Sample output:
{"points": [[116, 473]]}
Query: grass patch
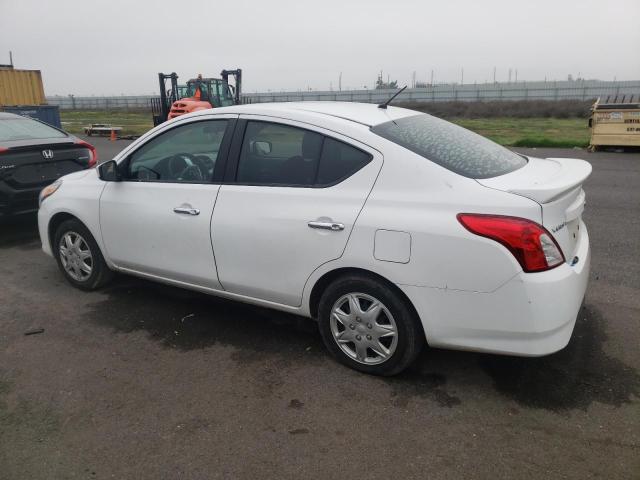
{"points": [[132, 123], [530, 132], [512, 132], [543, 142]]}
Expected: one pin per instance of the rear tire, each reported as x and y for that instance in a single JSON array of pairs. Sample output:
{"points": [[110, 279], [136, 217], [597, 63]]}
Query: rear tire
{"points": [[79, 257], [368, 326]]}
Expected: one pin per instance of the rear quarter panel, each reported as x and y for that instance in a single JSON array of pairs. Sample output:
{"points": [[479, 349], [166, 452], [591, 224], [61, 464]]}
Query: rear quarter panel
{"points": [[417, 196]]}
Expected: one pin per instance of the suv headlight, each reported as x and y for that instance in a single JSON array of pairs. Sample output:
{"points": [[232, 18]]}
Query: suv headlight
{"points": [[49, 190]]}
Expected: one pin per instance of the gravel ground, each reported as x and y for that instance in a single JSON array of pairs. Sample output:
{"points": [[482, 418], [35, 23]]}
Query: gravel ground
{"points": [[142, 380]]}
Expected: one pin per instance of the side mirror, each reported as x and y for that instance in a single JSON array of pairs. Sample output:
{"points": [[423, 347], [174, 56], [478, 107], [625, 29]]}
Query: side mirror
{"points": [[261, 148], [108, 171]]}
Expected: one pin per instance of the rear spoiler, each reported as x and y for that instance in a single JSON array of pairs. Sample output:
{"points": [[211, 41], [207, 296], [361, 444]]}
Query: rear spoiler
{"points": [[542, 180]]}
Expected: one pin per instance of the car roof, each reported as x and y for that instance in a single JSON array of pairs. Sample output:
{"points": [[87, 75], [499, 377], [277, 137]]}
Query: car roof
{"points": [[368, 114], [7, 115]]}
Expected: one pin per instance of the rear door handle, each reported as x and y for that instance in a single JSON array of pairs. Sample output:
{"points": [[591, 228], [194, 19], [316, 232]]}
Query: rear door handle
{"points": [[187, 210], [327, 226]]}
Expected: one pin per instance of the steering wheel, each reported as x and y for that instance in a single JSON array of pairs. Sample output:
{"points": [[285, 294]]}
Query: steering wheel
{"points": [[184, 166]]}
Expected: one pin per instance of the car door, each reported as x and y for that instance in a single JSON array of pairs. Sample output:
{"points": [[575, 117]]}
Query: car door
{"points": [[156, 220], [289, 201]]}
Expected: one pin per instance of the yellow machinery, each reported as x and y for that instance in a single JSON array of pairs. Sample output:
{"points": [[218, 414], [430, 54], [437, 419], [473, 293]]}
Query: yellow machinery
{"points": [[615, 122]]}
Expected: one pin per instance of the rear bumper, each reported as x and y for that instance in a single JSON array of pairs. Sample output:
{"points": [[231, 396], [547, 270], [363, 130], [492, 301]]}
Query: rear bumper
{"points": [[533, 314], [13, 202]]}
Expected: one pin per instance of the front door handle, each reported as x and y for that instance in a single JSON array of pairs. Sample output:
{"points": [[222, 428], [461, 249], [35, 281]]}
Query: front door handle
{"points": [[187, 210], [327, 226]]}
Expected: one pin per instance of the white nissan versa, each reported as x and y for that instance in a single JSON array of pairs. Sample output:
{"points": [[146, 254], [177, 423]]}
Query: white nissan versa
{"points": [[390, 227]]}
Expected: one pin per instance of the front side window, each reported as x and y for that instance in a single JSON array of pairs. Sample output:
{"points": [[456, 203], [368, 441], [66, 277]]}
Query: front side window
{"points": [[20, 128], [187, 153], [453, 147], [275, 154]]}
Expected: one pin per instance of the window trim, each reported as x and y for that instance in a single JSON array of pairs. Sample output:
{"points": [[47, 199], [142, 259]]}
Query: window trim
{"points": [[221, 161], [231, 173]]}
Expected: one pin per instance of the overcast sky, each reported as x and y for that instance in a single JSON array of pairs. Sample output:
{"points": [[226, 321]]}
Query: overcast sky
{"points": [[117, 47]]}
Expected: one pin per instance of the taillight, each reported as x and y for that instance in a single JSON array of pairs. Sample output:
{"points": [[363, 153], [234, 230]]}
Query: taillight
{"points": [[3, 149], [93, 155], [533, 246]]}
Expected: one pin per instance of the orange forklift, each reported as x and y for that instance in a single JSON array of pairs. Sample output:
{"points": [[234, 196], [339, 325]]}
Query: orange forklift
{"points": [[198, 94]]}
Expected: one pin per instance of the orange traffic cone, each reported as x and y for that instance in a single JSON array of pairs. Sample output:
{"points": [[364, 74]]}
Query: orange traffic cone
{"points": [[113, 136]]}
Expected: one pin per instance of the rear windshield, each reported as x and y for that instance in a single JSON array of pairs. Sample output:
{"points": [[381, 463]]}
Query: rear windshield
{"points": [[451, 146], [26, 129]]}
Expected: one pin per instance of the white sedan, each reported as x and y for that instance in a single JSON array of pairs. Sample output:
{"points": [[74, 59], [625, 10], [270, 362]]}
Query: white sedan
{"points": [[390, 227]]}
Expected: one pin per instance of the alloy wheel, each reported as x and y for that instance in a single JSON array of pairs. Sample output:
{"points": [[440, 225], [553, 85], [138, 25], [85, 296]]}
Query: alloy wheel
{"points": [[75, 256]]}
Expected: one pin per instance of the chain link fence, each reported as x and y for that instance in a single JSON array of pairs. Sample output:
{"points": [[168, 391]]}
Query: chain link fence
{"points": [[564, 90]]}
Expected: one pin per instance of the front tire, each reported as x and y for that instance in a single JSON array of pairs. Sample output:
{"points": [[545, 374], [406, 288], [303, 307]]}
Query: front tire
{"points": [[79, 257], [368, 326]]}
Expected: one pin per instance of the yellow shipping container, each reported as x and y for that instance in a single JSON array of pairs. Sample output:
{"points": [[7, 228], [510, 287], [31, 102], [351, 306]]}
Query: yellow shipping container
{"points": [[21, 87]]}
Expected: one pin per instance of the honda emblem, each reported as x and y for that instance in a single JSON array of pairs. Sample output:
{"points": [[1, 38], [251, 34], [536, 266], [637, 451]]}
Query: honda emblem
{"points": [[47, 153]]}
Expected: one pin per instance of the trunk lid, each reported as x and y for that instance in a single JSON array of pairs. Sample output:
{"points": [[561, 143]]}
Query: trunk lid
{"points": [[555, 184], [27, 166]]}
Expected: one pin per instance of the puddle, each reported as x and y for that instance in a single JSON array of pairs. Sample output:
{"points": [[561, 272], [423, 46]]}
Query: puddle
{"points": [[573, 378], [412, 383], [187, 320]]}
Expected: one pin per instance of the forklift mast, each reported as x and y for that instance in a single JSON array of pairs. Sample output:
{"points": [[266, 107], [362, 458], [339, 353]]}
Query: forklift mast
{"points": [[160, 107], [237, 76]]}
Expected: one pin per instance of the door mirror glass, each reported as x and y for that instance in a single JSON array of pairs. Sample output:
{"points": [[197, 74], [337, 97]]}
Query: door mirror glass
{"points": [[261, 148], [108, 171]]}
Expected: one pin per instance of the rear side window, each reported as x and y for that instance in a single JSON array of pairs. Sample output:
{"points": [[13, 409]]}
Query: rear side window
{"points": [[276, 154], [338, 161], [26, 129], [451, 146]]}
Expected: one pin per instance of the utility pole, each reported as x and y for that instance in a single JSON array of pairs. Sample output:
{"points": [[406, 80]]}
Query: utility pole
{"points": [[340, 82], [413, 79], [462, 76], [432, 77], [494, 74], [516, 75]]}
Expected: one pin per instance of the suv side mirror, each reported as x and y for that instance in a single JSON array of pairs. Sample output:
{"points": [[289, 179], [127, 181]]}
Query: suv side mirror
{"points": [[108, 171]]}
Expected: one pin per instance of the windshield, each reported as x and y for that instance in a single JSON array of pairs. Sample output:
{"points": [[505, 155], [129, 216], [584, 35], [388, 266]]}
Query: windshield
{"points": [[453, 147], [224, 94], [26, 129], [211, 89], [182, 91]]}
